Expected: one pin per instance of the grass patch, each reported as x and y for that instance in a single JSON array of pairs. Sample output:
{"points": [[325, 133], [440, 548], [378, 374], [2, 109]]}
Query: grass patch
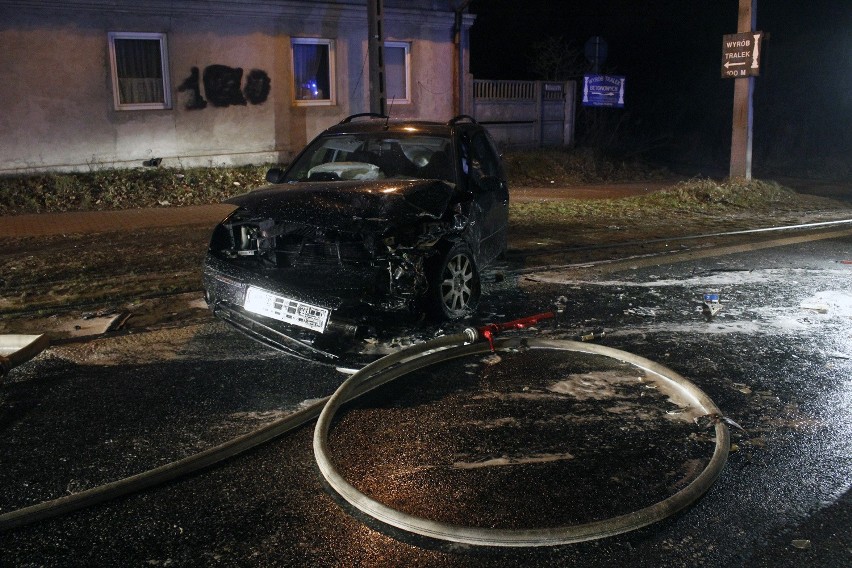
{"points": [[124, 189], [571, 167], [163, 187], [692, 197]]}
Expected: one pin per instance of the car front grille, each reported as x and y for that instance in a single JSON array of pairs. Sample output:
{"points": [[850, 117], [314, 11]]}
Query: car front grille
{"points": [[334, 251]]}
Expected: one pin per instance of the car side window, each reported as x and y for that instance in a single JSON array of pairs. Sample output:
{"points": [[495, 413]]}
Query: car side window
{"points": [[478, 157], [484, 154]]}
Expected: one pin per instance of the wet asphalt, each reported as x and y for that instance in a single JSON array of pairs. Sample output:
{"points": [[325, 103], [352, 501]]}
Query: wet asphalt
{"points": [[524, 439]]}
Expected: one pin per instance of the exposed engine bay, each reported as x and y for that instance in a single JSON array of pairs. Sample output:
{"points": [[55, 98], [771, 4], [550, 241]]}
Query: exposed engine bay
{"points": [[391, 265]]}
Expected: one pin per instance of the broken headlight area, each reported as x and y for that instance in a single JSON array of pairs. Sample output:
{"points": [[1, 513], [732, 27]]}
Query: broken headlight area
{"points": [[384, 268], [265, 243]]}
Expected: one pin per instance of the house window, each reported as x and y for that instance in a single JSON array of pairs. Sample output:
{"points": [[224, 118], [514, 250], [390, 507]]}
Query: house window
{"points": [[140, 78], [313, 71], [397, 72]]}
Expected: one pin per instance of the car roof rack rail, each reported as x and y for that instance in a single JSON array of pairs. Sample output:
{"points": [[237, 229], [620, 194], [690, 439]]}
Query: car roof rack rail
{"points": [[352, 117], [460, 118]]}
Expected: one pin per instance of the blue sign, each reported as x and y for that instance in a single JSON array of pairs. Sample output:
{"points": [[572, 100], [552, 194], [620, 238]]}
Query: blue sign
{"points": [[603, 90]]}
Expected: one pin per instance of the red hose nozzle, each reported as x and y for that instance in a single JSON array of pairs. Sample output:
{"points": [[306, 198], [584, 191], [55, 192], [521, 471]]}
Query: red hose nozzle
{"points": [[488, 331]]}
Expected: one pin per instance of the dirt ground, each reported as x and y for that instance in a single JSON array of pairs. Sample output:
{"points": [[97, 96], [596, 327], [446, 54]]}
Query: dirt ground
{"points": [[608, 191], [143, 278]]}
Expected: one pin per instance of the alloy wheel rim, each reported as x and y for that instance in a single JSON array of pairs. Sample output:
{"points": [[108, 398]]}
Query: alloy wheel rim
{"points": [[456, 290]]}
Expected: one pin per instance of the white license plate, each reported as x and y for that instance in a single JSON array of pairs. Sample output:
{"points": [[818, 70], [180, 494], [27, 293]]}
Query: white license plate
{"points": [[284, 309]]}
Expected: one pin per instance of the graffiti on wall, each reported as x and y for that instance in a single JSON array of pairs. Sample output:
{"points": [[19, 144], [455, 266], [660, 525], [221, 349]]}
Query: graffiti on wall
{"points": [[222, 87], [191, 84], [258, 85]]}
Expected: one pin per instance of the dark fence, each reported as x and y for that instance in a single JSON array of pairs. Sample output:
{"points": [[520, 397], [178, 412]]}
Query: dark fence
{"points": [[526, 114]]}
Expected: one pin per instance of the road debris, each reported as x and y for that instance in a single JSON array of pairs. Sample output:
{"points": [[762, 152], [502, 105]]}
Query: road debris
{"points": [[709, 420], [711, 305], [814, 307], [16, 349]]}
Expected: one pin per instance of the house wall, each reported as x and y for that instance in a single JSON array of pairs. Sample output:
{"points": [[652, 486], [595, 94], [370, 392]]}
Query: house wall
{"points": [[57, 101]]}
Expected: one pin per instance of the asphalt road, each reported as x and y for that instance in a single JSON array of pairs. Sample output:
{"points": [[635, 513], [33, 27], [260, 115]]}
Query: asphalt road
{"points": [[524, 439]]}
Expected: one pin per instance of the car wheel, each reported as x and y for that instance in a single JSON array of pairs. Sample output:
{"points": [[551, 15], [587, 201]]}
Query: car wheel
{"points": [[454, 286]]}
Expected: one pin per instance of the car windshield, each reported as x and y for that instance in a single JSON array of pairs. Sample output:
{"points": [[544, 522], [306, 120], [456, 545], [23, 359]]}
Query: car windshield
{"points": [[374, 156]]}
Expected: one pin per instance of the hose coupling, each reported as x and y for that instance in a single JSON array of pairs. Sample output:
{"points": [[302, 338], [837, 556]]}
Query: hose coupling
{"points": [[488, 331]]}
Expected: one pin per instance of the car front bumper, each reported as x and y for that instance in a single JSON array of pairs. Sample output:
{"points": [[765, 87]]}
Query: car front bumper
{"points": [[227, 286]]}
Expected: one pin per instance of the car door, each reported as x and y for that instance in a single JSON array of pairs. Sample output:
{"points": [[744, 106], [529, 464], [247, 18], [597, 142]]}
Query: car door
{"points": [[486, 180]]}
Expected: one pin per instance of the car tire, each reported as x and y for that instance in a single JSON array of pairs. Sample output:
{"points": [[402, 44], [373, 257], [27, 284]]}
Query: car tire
{"points": [[454, 284]]}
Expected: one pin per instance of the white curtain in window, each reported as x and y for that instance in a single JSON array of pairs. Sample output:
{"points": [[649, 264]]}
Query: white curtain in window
{"points": [[134, 91], [139, 68]]}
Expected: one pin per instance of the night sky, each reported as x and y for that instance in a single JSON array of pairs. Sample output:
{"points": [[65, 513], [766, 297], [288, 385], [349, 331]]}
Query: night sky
{"points": [[678, 106]]}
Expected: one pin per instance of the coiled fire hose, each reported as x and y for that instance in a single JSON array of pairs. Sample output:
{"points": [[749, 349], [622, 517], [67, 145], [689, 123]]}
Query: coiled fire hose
{"points": [[513, 537], [381, 372]]}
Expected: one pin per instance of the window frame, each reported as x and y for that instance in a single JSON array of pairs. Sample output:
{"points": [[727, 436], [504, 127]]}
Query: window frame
{"points": [[331, 100], [164, 63], [407, 71]]}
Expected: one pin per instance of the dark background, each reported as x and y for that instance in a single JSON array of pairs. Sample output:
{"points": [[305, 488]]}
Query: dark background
{"points": [[678, 108]]}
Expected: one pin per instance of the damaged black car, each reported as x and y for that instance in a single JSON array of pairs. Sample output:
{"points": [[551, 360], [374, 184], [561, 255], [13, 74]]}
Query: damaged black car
{"points": [[375, 216]]}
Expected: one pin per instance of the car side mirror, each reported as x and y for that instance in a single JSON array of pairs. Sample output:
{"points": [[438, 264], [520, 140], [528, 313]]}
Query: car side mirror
{"points": [[274, 175]]}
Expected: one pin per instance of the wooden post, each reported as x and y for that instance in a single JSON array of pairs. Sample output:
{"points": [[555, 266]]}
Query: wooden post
{"points": [[375, 44], [743, 115]]}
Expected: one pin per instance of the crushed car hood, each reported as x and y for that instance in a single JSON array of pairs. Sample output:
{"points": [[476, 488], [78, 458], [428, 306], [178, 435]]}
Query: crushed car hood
{"points": [[349, 204]]}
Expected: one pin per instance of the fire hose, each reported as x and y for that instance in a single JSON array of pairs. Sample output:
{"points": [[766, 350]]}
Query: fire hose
{"points": [[469, 342], [369, 378]]}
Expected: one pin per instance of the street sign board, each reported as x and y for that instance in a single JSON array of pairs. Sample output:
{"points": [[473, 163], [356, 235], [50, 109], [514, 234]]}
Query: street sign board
{"points": [[741, 54], [603, 90]]}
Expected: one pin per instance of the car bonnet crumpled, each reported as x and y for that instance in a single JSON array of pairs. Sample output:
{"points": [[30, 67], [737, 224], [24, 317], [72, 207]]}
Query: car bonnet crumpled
{"points": [[350, 205]]}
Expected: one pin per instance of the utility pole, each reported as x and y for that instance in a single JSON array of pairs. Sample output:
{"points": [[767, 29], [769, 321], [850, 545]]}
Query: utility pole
{"points": [[743, 113], [375, 44], [458, 42]]}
